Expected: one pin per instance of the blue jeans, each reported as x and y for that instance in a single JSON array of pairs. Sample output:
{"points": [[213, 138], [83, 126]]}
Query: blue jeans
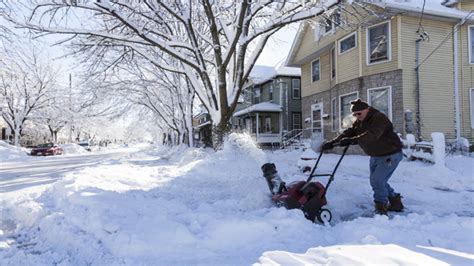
{"points": [[381, 169]]}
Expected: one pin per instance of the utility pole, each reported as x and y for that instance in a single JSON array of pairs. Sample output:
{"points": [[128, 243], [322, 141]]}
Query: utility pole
{"points": [[70, 108]]}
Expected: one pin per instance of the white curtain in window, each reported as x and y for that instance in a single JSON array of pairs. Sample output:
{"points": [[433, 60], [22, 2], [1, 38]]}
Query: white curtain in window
{"points": [[378, 41], [315, 70], [380, 99]]}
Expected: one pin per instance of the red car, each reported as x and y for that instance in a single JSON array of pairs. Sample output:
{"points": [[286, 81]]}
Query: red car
{"points": [[47, 149]]}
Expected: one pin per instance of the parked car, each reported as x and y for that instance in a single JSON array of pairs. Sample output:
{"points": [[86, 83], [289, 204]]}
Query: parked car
{"points": [[85, 145], [47, 149]]}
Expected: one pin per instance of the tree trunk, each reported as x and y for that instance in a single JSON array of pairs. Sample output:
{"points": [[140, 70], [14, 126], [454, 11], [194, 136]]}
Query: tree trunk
{"points": [[219, 132]]}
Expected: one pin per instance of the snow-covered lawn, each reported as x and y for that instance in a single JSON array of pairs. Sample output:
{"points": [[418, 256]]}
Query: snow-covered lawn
{"points": [[151, 205]]}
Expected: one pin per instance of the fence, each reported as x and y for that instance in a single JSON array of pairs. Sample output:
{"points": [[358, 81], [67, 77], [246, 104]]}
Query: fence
{"points": [[434, 151]]}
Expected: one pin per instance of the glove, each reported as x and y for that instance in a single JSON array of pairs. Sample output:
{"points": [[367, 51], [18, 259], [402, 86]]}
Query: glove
{"points": [[327, 146], [347, 141]]}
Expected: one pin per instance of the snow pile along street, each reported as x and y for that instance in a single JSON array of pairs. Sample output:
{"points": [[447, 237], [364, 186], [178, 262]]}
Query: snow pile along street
{"points": [[157, 206], [10, 152]]}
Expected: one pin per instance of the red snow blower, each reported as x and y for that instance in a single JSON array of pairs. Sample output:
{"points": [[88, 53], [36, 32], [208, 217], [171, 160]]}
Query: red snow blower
{"points": [[308, 196]]}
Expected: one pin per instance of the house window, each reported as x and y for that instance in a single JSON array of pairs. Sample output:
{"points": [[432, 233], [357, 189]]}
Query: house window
{"points": [[256, 96], [296, 120], [345, 114], [315, 71], [347, 43], [472, 107], [268, 124], [381, 99], [270, 92], [378, 43], [296, 88], [317, 121], [471, 44], [332, 22], [328, 25], [333, 63], [333, 115]]}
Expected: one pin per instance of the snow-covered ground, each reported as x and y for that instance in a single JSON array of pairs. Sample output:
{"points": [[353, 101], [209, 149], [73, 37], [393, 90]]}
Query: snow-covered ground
{"points": [[151, 205]]}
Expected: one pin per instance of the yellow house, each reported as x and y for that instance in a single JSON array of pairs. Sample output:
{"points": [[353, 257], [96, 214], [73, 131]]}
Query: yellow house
{"points": [[413, 62]]}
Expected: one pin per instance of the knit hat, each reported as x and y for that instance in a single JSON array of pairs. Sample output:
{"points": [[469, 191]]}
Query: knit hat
{"points": [[358, 105]]}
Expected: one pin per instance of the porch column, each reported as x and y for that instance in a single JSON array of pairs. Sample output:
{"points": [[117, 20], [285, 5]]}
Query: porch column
{"points": [[281, 125], [256, 127]]}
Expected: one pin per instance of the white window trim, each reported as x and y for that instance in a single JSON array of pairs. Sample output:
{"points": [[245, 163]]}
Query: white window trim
{"points": [[347, 37], [293, 119], [318, 59], [340, 105], [317, 106], [389, 47], [334, 119], [333, 28], [293, 89], [389, 99], [332, 63], [471, 91], [469, 44]]}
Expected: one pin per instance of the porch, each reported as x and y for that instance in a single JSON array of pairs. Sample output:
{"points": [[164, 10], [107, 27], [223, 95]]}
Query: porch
{"points": [[263, 121]]}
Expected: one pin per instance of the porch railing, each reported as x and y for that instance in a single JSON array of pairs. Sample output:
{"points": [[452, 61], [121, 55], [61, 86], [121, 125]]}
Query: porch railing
{"points": [[295, 137]]}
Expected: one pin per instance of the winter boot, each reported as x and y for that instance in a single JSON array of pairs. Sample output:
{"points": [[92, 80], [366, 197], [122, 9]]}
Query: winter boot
{"points": [[381, 208], [395, 203]]}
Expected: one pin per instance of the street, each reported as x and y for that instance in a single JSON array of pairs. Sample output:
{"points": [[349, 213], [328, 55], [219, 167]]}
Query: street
{"points": [[40, 171]]}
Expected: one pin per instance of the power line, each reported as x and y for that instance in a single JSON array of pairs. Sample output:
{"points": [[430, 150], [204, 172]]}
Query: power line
{"points": [[421, 17], [445, 39]]}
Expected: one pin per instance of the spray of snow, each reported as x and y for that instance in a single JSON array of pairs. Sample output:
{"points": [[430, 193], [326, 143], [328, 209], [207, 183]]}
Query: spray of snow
{"points": [[241, 144]]}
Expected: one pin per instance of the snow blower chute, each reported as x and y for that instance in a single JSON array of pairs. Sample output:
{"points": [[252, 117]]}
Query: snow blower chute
{"points": [[308, 196]]}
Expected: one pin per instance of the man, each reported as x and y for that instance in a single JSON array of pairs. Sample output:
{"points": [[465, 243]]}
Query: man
{"points": [[373, 131]]}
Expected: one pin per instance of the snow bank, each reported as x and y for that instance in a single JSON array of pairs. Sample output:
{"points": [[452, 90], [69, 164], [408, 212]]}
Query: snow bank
{"points": [[73, 148], [187, 206], [350, 255], [10, 152]]}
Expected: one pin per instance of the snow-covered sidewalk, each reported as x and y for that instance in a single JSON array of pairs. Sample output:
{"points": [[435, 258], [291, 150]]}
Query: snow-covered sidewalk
{"points": [[157, 206]]}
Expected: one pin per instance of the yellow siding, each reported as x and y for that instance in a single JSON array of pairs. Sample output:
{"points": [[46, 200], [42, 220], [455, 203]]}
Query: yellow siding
{"points": [[466, 82], [347, 67], [309, 87], [467, 5], [436, 78], [309, 45], [370, 69]]}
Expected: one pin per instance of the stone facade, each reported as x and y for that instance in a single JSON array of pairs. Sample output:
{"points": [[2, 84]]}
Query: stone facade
{"points": [[360, 85]]}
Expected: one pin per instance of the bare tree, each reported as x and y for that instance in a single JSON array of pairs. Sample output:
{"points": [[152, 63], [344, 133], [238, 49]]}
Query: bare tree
{"points": [[217, 42], [168, 95], [24, 84]]}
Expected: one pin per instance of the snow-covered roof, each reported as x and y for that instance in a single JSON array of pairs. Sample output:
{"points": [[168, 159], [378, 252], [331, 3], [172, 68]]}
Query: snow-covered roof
{"points": [[262, 74], [203, 124], [260, 107], [432, 7], [440, 8]]}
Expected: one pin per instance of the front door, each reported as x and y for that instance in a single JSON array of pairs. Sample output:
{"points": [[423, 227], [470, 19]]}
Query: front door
{"points": [[317, 121]]}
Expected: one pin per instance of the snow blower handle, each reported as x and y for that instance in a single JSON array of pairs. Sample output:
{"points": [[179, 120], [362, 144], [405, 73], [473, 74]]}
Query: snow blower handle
{"points": [[331, 176]]}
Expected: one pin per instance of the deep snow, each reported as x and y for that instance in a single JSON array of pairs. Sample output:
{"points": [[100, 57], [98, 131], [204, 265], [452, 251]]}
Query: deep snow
{"points": [[158, 206]]}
